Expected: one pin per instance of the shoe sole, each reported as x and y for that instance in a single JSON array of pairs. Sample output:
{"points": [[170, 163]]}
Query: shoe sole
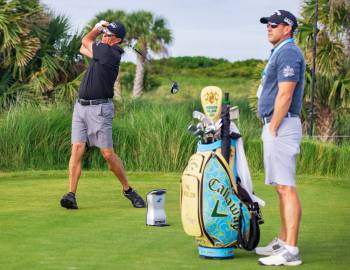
{"points": [[264, 253], [134, 205], [294, 263], [68, 204], [139, 206]]}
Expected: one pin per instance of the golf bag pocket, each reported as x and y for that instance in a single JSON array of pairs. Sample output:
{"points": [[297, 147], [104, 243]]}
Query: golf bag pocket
{"points": [[190, 184]]}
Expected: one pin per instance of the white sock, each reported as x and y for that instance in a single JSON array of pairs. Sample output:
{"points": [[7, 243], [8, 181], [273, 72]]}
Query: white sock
{"points": [[292, 249], [281, 241]]}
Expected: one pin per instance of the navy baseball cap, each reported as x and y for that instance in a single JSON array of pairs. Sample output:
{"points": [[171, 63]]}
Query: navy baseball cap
{"points": [[117, 28], [281, 16]]}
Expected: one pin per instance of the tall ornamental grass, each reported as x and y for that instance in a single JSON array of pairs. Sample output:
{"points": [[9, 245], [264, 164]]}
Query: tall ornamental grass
{"points": [[147, 136], [34, 137]]}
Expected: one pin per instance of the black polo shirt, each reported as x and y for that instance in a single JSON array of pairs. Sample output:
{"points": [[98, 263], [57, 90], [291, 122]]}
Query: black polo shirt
{"points": [[102, 72]]}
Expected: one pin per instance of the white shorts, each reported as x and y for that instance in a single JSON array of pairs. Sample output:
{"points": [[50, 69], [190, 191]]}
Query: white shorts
{"points": [[280, 152]]}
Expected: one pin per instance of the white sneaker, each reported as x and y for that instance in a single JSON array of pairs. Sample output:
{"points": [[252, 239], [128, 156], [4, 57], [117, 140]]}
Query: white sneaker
{"points": [[274, 245], [281, 257]]}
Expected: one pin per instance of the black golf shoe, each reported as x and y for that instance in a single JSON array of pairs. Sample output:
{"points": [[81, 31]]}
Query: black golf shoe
{"points": [[135, 199], [68, 201]]}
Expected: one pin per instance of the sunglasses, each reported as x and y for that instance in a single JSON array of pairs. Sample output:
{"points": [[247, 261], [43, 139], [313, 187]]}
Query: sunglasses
{"points": [[273, 26], [108, 35]]}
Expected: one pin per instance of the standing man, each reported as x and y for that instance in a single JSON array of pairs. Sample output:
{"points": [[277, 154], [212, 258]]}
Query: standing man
{"points": [[280, 98], [94, 111]]}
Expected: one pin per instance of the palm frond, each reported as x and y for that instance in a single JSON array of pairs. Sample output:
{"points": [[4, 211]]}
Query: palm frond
{"points": [[40, 83], [68, 92], [52, 66], [330, 56]]}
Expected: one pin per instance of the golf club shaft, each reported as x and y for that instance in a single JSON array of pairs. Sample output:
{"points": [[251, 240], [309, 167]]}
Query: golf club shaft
{"points": [[147, 59]]}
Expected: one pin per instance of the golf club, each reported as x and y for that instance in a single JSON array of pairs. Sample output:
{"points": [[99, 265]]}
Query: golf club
{"points": [[202, 118], [174, 87], [205, 129]]}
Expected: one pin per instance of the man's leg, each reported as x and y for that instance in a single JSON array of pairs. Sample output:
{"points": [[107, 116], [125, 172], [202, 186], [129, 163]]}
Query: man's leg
{"points": [[290, 214], [116, 166], [76, 157], [68, 200], [290, 209], [276, 243], [283, 233]]}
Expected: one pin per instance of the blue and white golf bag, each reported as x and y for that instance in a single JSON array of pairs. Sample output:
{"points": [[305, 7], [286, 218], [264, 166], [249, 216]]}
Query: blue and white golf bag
{"points": [[215, 209], [218, 206]]}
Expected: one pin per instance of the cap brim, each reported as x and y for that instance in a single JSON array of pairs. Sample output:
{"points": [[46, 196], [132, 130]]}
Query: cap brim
{"points": [[109, 32], [264, 20], [110, 29]]}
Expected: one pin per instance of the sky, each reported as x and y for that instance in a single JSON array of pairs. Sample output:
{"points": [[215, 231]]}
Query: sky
{"points": [[227, 29]]}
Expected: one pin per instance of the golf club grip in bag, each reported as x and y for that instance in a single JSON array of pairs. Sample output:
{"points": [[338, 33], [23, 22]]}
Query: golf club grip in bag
{"points": [[211, 209]]}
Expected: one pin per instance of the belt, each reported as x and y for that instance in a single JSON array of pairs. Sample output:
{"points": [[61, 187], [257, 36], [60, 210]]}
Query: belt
{"points": [[86, 102], [267, 119]]}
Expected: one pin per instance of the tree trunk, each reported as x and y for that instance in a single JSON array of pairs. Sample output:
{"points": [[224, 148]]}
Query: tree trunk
{"points": [[137, 90], [325, 123], [118, 87]]}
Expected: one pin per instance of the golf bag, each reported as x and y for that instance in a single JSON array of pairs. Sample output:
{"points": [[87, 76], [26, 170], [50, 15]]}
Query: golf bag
{"points": [[214, 207], [217, 208]]}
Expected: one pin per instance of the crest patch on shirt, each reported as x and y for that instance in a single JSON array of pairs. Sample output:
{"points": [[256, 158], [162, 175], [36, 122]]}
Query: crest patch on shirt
{"points": [[288, 71]]}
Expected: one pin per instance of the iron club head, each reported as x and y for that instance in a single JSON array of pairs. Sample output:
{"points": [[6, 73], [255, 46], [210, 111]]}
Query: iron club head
{"points": [[192, 128]]}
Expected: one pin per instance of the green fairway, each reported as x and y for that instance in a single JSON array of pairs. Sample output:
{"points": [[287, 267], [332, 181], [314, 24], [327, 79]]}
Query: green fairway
{"points": [[107, 233]]}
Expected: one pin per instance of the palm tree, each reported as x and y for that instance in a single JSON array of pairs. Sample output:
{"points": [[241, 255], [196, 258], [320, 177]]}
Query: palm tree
{"points": [[332, 95], [19, 42], [57, 59], [36, 52], [149, 34]]}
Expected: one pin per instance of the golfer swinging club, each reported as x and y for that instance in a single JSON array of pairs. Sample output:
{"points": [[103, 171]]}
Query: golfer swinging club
{"points": [[94, 110], [280, 98]]}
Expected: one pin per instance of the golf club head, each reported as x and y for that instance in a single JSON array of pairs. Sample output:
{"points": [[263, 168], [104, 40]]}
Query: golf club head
{"points": [[210, 129], [199, 133], [202, 118], [200, 126], [199, 130], [174, 88], [192, 128]]}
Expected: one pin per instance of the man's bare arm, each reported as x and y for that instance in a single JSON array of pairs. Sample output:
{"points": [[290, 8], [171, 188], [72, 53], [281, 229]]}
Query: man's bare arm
{"points": [[282, 104], [88, 40], [85, 51]]}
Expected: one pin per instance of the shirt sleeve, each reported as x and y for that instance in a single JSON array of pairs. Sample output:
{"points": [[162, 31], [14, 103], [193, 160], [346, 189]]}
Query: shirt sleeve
{"points": [[99, 50], [288, 66]]}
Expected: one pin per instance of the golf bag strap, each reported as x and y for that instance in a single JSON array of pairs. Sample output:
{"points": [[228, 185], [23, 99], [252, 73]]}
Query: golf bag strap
{"points": [[254, 230]]}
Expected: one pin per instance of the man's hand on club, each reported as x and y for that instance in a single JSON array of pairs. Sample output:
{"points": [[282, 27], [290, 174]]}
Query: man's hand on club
{"points": [[101, 25]]}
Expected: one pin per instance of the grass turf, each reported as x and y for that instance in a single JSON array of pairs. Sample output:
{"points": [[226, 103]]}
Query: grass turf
{"points": [[107, 233]]}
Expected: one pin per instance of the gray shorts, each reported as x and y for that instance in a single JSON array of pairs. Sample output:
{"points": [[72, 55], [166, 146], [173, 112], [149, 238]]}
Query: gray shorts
{"points": [[280, 152], [92, 124]]}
